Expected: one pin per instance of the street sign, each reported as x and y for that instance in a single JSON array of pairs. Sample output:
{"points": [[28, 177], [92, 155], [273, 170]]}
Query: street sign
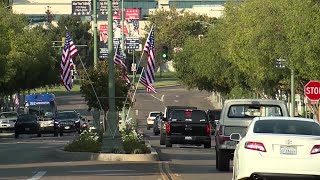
{"points": [[81, 8], [132, 43], [312, 91], [133, 67], [104, 7]]}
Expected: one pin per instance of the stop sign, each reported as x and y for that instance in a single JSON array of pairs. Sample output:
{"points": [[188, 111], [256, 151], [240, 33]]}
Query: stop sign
{"points": [[312, 91]]}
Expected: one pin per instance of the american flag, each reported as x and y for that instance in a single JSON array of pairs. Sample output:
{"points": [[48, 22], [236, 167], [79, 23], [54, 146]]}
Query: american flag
{"points": [[149, 49], [143, 81], [69, 51], [119, 59], [16, 101]]}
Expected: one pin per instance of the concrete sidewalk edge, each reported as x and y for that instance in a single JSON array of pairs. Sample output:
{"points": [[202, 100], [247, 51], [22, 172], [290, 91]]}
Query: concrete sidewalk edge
{"points": [[87, 156]]}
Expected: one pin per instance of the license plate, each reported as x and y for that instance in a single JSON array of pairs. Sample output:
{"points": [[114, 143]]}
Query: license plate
{"points": [[188, 138], [67, 127], [27, 129], [288, 150]]}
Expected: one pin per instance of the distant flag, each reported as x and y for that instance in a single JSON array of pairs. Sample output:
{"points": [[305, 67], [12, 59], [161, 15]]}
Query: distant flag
{"points": [[135, 23], [144, 82], [119, 60], [69, 51], [149, 48], [16, 101]]}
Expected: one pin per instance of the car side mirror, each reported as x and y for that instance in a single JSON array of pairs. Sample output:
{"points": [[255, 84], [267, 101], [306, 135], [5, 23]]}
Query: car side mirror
{"points": [[235, 137]]}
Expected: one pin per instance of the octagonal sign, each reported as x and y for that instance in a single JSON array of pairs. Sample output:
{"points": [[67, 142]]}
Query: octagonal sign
{"points": [[312, 91]]}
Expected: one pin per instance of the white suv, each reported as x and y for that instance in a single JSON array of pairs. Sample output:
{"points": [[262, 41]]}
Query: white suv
{"points": [[151, 117]]}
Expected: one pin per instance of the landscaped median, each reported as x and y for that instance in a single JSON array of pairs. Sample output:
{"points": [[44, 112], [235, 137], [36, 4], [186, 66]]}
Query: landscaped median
{"points": [[88, 146]]}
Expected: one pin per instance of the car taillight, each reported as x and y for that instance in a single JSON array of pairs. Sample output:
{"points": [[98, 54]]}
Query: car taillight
{"points": [[315, 149], [222, 137], [257, 146], [149, 119], [168, 128], [208, 129]]}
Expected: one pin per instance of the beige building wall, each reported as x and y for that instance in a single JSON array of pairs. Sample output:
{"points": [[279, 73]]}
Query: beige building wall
{"points": [[40, 6]]}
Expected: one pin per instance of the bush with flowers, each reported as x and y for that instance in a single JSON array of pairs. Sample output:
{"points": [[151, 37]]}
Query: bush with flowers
{"points": [[91, 140]]}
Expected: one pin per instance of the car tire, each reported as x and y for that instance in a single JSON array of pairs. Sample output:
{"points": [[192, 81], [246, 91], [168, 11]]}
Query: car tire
{"points": [[156, 133], [39, 134], [61, 134], [79, 131], [16, 135], [55, 134], [168, 143], [223, 163], [148, 127], [207, 145], [162, 139]]}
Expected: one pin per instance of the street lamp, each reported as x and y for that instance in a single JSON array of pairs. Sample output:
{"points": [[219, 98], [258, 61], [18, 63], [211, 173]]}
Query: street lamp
{"points": [[280, 63]]}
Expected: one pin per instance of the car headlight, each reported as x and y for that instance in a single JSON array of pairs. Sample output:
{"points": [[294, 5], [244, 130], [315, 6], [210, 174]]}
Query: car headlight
{"points": [[77, 121]]}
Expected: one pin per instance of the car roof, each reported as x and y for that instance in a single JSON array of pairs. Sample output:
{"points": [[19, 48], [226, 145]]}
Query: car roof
{"points": [[155, 112], [250, 100], [283, 118]]}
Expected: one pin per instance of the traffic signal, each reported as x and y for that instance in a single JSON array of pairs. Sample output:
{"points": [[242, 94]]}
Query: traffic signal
{"points": [[165, 50]]}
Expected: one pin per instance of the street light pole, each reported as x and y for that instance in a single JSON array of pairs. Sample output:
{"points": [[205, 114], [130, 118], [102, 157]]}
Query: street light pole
{"points": [[95, 40], [292, 94], [111, 139]]}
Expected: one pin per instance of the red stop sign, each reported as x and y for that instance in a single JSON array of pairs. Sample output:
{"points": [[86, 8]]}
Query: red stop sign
{"points": [[312, 90]]}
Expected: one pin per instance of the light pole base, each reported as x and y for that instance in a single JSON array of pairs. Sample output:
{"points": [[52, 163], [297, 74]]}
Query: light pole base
{"points": [[112, 144]]}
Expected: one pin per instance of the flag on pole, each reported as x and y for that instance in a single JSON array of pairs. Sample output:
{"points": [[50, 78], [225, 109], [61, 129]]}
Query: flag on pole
{"points": [[69, 51], [119, 60], [144, 82], [149, 49], [16, 101]]}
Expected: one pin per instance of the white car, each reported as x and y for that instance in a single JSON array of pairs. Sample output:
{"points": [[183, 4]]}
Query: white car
{"points": [[151, 117], [278, 147]]}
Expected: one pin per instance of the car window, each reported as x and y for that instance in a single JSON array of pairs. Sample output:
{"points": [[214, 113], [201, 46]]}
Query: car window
{"points": [[214, 114], [26, 118], [188, 115], [153, 114], [250, 111], [66, 115], [287, 127], [8, 115]]}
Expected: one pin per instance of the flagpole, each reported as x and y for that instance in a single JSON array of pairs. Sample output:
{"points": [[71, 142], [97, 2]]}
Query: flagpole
{"points": [[135, 91]]}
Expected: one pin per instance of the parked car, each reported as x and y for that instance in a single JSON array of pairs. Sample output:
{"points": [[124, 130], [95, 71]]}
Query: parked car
{"points": [[278, 147], [69, 121], [157, 124], [27, 124], [151, 117], [236, 116], [7, 120], [213, 117]]}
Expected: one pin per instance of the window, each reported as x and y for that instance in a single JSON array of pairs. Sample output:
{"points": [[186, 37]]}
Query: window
{"points": [[188, 115], [250, 111], [287, 127]]}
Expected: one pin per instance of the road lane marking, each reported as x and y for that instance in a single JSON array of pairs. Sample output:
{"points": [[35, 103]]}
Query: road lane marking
{"points": [[38, 175], [105, 170], [169, 173], [162, 173]]}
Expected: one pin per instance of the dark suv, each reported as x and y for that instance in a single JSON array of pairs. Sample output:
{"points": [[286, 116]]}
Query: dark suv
{"points": [[27, 124], [68, 121]]}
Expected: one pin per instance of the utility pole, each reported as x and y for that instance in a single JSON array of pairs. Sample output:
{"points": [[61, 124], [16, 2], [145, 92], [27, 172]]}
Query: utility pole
{"points": [[111, 139], [292, 94], [95, 35]]}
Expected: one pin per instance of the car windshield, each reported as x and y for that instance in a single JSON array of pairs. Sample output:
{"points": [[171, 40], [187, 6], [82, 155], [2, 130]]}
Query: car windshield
{"points": [[287, 127], [250, 111], [8, 115], [66, 115], [28, 117], [154, 114], [188, 115]]}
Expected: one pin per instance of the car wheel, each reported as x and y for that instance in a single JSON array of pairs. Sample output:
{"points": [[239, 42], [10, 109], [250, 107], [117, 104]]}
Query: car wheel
{"points": [[61, 134], [16, 135], [39, 134], [168, 143], [156, 133], [0, 131], [223, 163], [217, 159], [207, 145], [79, 131], [148, 127], [55, 134], [162, 139]]}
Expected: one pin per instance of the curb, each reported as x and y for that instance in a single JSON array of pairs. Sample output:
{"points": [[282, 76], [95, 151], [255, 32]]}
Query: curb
{"points": [[87, 156]]}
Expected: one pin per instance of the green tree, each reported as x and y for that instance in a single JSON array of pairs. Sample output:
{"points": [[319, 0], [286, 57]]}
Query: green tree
{"points": [[99, 80]]}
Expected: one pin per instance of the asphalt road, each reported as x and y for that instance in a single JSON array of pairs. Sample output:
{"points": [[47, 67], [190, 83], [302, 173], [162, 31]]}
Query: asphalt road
{"points": [[185, 162], [32, 158]]}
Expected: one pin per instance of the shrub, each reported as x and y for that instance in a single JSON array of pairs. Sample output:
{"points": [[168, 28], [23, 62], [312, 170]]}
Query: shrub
{"points": [[88, 141]]}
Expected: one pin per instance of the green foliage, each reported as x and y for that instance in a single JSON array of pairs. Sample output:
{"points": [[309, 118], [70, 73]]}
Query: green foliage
{"points": [[99, 79], [88, 141]]}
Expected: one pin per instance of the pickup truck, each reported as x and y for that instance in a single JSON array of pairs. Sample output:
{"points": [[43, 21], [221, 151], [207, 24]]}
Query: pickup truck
{"points": [[236, 116], [188, 126], [166, 113]]}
